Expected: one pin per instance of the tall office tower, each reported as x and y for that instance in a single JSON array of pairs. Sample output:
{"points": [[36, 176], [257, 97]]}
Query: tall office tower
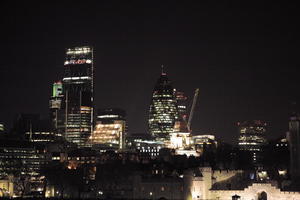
{"points": [[78, 88], [181, 122], [56, 105], [294, 142], [181, 105], [252, 138], [163, 109], [110, 130]]}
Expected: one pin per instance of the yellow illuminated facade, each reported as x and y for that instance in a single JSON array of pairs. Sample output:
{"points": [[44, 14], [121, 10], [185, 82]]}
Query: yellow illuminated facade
{"points": [[111, 135], [6, 187], [181, 137], [181, 140]]}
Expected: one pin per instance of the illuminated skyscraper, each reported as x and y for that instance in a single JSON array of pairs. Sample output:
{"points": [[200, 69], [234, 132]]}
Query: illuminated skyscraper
{"points": [[163, 109], [181, 121], [181, 105], [78, 88], [252, 138], [294, 143], [110, 129], [57, 113]]}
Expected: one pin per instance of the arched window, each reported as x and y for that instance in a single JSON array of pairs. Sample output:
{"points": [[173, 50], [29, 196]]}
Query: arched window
{"points": [[236, 197], [262, 196]]}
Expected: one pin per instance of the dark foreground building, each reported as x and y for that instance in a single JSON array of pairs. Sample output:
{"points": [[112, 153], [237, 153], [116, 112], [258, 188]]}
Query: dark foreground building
{"points": [[294, 142]]}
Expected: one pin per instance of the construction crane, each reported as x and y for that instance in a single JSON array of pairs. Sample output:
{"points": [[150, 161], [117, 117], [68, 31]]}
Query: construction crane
{"points": [[192, 109]]}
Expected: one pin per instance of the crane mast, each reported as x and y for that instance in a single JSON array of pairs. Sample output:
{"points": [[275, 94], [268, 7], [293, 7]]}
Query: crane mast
{"points": [[192, 109]]}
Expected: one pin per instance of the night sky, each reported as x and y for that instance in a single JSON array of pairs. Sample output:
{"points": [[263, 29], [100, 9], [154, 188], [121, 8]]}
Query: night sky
{"points": [[243, 58]]}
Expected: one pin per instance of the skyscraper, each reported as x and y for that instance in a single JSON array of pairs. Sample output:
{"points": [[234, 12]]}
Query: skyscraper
{"points": [[78, 88], [181, 122], [181, 105], [56, 104], [163, 109], [294, 143], [252, 138]]}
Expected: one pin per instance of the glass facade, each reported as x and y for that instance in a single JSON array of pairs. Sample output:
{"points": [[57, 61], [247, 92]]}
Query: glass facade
{"points": [[78, 94], [163, 109]]}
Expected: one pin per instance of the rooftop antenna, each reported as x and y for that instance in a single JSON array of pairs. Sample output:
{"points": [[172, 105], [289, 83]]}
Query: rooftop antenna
{"points": [[162, 70], [30, 131]]}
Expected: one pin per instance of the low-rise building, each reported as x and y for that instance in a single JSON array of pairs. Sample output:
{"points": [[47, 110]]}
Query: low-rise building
{"points": [[6, 187]]}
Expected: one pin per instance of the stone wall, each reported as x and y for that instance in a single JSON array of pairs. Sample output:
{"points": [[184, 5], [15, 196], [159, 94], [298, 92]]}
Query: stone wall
{"points": [[254, 191]]}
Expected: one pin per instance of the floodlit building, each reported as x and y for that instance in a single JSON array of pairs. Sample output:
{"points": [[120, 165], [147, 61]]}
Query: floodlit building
{"points": [[252, 138], [110, 129], [294, 143], [163, 109], [180, 138], [78, 86], [6, 187]]}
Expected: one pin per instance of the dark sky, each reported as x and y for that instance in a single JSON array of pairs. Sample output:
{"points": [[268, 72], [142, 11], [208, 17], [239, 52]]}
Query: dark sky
{"points": [[243, 57]]}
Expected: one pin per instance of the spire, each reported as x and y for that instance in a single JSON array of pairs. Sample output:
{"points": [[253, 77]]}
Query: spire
{"points": [[30, 133], [162, 70]]}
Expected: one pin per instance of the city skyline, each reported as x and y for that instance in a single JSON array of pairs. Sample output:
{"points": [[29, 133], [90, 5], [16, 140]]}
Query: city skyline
{"points": [[244, 76], [149, 100]]}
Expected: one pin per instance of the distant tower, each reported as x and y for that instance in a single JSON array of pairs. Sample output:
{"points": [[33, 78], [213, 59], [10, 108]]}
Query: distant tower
{"points": [[294, 143], [181, 121], [163, 109], [78, 86], [181, 105], [252, 138], [57, 114]]}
